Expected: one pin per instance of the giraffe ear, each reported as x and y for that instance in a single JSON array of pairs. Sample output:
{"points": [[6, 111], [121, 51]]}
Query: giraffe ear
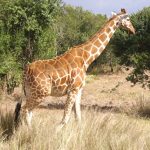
{"points": [[113, 14]]}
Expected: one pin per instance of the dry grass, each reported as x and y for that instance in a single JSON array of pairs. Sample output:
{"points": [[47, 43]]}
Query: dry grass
{"points": [[6, 124], [104, 131], [138, 108], [128, 129]]}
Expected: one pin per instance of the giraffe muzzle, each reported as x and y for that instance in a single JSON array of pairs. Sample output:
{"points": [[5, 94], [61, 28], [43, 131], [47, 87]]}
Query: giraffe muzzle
{"points": [[132, 30]]}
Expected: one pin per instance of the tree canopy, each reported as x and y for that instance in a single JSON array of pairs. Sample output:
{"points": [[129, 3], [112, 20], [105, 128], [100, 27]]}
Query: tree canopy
{"points": [[134, 50]]}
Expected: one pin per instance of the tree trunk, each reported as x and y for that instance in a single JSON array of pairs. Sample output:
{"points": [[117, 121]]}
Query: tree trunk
{"points": [[110, 64]]}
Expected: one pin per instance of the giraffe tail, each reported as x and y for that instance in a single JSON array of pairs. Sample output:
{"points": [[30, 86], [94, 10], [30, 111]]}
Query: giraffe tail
{"points": [[17, 114]]}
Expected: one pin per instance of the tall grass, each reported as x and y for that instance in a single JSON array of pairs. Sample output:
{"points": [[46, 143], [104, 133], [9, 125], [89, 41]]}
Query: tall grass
{"points": [[98, 131], [6, 124], [138, 108]]}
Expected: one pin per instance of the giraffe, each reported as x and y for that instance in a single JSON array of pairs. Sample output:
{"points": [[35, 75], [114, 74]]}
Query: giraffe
{"points": [[65, 74]]}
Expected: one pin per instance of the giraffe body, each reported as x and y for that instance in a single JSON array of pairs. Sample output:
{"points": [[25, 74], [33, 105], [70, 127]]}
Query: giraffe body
{"points": [[53, 77], [65, 74]]}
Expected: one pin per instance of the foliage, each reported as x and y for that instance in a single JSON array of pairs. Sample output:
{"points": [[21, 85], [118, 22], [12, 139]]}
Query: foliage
{"points": [[28, 18], [134, 50], [22, 25], [107, 62], [75, 26]]}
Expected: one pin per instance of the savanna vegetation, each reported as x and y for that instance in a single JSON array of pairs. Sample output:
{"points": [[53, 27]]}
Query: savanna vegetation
{"points": [[32, 30]]}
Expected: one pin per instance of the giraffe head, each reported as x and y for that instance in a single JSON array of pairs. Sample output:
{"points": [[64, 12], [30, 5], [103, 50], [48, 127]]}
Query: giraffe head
{"points": [[124, 21]]}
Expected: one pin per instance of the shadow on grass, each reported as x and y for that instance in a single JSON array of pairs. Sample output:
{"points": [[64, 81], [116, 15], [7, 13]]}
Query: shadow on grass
{"points": [[139, 108], [94, 107]]}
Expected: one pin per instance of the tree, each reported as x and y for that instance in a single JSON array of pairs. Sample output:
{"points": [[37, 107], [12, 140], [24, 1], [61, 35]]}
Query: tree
{"points": [[134, 50], [75, 26], [22, 24]]}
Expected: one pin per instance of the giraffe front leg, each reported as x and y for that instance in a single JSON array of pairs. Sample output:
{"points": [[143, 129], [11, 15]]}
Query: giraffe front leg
{"points": [[68, 108], [77, 108]]}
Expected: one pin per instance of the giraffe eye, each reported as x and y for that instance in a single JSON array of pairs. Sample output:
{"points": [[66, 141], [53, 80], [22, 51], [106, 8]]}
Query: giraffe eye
{"points": [[117, 23]]}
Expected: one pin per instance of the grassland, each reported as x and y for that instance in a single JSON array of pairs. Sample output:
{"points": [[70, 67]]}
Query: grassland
{"points": [[115, 116]]}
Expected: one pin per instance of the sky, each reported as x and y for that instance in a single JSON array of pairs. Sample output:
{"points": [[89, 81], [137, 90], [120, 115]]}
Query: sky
{"points": [[107, 6]]}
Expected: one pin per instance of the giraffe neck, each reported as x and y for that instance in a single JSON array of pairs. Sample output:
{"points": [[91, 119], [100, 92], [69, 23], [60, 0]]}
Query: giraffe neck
{"points": [[96, 45]]}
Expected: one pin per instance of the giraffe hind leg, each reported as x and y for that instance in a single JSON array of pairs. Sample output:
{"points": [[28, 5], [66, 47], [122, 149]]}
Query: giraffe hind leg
{"points": [[26, 111]]}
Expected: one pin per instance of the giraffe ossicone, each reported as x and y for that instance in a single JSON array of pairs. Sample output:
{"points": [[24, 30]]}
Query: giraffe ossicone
{"points": [[65, 74]]}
